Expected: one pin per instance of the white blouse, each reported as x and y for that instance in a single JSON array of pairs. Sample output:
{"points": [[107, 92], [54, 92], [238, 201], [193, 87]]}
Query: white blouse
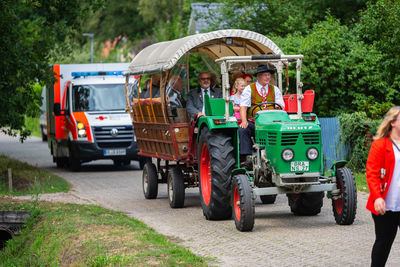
{"points": [[393, 196]]}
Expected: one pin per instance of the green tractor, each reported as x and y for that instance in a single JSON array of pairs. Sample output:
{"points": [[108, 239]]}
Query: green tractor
{"points": [[287, 156], [186, 152]]}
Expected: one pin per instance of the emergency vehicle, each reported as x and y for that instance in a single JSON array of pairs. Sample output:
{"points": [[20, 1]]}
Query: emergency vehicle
{"points": [[86, 115]]}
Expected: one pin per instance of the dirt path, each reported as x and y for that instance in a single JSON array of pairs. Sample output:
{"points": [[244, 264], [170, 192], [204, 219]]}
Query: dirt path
{"points": [[278, 238]]}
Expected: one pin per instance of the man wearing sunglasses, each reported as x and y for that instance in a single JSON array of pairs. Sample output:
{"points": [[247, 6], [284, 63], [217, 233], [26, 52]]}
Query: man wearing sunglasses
{"points": [[195, 103]]}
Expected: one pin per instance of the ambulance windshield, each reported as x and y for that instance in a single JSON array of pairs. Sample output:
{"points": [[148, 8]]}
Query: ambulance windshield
{"points": [[98, 97]]}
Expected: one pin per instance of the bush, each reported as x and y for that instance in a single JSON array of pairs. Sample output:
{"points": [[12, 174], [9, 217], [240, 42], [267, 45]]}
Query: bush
{"points": [[355, 132]]}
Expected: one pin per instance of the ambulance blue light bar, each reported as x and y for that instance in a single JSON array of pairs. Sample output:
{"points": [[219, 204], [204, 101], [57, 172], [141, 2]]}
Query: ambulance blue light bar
{"points": [[96, 73]]}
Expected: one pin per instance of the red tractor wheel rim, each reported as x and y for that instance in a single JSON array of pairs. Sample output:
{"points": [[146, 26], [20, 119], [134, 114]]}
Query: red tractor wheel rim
{"points": [[205, 174], [339, 201], [236, 200]]}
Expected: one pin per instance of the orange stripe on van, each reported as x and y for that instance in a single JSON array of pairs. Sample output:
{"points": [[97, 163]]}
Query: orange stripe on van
{"points": [[80, 116], [57, 84]]}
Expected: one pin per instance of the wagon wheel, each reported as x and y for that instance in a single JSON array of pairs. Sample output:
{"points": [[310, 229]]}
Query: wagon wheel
{"points": [[176, 188], [274, 104], [345, 207], [215, 164], [242, 203], [150, 180]]}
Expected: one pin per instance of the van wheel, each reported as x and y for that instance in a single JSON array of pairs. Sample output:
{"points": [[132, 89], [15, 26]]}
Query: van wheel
{"points": [[215, 164], [73, 162], [176, 188], [60, 162], [242, 203], [44, 136], [345, 207], [306, 204], [150, 181], [121, 162]]}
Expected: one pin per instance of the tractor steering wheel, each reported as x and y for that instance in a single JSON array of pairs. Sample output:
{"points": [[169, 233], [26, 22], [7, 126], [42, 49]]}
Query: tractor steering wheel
{"points": [[274, 104]]}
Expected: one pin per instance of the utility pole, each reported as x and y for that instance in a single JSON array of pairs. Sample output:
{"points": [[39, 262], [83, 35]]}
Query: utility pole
{"points": [[91, 35]]}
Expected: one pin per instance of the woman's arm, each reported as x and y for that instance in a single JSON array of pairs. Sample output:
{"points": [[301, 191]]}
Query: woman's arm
{"points": [[375, 164]]}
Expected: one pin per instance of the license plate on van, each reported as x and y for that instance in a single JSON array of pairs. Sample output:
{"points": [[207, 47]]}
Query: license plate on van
{"points": [[115, 152], [299, 166]]}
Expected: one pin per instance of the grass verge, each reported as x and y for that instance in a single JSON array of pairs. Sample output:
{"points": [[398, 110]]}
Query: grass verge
{"points": [[85, 235], [361, 182], [27, 179]]}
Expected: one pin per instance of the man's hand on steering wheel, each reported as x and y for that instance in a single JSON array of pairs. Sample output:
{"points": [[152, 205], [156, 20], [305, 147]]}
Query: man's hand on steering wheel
{"points": [[274, 104]]}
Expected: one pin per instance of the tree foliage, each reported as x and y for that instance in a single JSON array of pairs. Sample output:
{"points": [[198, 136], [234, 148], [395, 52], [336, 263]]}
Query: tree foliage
{"points": [[379, 26], [118, 17], [355, 128], [283, 17], [29, 30]]}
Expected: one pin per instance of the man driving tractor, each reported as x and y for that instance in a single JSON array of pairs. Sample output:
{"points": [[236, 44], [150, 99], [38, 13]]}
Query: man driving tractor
{"points": [[253, 95]]}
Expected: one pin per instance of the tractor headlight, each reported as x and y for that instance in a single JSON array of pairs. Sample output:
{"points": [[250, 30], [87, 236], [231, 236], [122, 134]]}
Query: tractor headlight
{"points": [[312, 153], [287, 154]]}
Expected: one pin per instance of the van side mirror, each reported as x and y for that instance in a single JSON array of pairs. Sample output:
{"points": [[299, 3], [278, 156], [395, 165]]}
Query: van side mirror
{"points": [[57, 109]]}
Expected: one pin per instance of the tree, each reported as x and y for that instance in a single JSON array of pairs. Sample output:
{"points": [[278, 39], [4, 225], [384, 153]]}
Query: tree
{"points": [[29, 30], [282, 17], [379, 26], [168, 17], [118, 17]]}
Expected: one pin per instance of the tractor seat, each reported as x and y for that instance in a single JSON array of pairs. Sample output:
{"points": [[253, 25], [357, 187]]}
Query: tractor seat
{"points": [[306, 103]]}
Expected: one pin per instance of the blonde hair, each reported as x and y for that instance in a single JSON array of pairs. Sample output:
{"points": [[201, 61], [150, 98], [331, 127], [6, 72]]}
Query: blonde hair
{"points": [[386, 125], [236, 83]]}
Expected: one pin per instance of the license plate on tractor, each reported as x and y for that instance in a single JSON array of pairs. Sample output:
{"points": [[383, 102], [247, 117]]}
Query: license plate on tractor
{"points": [[115, 152], [299, 166]]}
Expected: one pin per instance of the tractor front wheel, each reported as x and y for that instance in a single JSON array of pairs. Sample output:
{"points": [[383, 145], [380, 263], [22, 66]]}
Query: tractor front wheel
{"points": [[215, 164], [345, 206], [306, 204], [242, 203], [176, 188]]}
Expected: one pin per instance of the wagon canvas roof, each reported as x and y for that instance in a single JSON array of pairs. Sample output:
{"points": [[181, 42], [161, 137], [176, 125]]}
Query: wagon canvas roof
{"points": [[163, 56]]}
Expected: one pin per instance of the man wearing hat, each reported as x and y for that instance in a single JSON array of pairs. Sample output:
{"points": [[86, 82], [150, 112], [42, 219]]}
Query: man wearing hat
{"points": [[254, 94]]}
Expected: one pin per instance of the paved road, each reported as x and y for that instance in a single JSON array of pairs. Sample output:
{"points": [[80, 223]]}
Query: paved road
{"points": [[278, 238]]}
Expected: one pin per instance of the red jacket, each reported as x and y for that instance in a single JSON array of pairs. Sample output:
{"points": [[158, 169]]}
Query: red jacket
{"points": [[381, 156]]}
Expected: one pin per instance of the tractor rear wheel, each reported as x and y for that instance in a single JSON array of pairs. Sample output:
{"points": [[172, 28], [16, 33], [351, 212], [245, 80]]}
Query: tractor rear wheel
{"points": [[242, 203], [150, 181], [176, 188], [215, 164], [306, 204], [268, 199], [345, 207]]}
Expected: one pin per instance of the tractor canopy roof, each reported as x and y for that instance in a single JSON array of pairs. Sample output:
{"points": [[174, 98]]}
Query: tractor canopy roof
{"points": [[163, 56]]}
